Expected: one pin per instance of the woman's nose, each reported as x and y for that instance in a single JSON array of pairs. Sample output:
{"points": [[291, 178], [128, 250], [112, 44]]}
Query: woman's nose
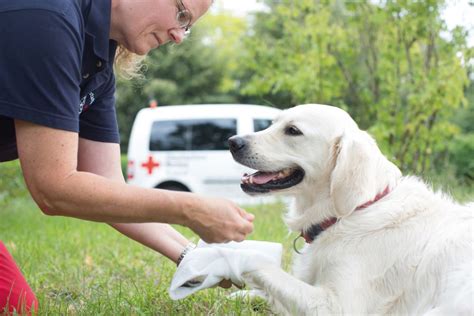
{"points": [[177, 35]]}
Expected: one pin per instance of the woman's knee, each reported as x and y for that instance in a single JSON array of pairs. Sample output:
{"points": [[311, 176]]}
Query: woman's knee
{"points": [[15, 292]]}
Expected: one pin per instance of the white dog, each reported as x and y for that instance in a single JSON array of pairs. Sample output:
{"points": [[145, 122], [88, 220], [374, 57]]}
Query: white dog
{"points": [[377, 242]]}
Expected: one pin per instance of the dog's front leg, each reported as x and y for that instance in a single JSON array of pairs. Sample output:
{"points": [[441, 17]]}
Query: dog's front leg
{"points": [[291, 296]]}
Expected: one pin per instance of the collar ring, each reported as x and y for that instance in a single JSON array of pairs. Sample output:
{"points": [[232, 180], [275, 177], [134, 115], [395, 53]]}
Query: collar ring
{"points": [[294, 244]]}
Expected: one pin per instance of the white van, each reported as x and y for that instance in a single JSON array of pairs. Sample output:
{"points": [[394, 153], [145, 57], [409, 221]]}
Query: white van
{"points": [[184, 147]]}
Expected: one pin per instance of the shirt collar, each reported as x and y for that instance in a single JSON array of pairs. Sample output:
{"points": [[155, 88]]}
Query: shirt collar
{"points": [[98, 26]]}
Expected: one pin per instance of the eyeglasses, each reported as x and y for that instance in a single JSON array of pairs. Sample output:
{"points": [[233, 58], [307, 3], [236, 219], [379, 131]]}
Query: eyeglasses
{"points": [[184, 17]]}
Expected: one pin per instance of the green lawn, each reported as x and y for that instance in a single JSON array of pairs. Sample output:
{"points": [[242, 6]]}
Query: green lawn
{"points": [[84, 268]]}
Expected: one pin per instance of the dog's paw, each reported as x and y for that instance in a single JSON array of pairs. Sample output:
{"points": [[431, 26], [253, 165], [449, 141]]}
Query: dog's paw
{"points": [[247, 294]]}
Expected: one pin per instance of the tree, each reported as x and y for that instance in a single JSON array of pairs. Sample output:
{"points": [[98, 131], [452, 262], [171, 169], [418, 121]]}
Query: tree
{"points": [[461, 149], [387, 64]]}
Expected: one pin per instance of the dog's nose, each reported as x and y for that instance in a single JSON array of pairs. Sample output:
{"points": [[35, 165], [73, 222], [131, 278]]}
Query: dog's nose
{"points": [[236, 143]]}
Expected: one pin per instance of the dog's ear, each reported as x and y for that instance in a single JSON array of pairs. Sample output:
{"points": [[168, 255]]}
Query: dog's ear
{"points": [[360, 172]]}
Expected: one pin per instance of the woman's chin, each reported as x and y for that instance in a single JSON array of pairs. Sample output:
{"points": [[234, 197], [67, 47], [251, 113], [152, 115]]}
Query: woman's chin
{"points": [[141, 51], [143, 48]]}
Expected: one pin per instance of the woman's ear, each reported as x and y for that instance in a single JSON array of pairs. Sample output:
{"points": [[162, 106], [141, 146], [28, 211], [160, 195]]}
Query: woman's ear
{"points": [[360, 172]]}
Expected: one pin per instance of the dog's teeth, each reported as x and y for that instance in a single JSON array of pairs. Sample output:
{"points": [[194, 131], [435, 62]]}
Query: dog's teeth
{"points": [[284, 173]]}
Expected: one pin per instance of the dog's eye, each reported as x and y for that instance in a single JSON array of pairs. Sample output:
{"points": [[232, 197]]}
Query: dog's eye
{"points": [[292, 131]]}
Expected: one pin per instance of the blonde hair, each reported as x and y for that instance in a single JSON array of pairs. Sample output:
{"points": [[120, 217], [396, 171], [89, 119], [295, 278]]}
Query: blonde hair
{"points": [[127, 64]]}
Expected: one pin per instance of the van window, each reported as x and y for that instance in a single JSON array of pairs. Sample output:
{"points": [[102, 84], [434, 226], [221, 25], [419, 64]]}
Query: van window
{"points": [[199, 134], [261, 124]]}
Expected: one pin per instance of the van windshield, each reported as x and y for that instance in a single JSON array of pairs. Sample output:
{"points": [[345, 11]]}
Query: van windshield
{"points": [[195, 134]]}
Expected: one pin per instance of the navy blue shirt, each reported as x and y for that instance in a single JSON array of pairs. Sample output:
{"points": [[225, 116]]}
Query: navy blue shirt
{"points": [[56, 69]]}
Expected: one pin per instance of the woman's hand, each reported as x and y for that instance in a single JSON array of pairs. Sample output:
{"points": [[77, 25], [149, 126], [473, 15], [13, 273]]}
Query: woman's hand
{"points": [[227, 284], [218, 220]]}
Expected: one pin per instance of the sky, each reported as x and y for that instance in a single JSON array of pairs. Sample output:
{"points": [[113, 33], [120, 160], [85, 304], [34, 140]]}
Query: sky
{"points": [[458, 12]]}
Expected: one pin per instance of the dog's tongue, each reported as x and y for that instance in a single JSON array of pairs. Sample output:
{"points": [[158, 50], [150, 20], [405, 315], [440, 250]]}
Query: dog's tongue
{"points": [[260, 177]]}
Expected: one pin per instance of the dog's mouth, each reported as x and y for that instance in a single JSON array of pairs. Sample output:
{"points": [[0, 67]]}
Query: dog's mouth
{"points": [[265, 182]]}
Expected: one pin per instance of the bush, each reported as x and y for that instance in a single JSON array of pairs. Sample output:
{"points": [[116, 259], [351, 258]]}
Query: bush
{"points": [[124, 163], [12, 184], [461, 153]]}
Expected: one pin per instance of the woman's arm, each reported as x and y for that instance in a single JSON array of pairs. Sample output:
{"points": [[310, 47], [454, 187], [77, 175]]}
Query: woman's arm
{"points": [[160, 237], [49, 160], [104, 159]]}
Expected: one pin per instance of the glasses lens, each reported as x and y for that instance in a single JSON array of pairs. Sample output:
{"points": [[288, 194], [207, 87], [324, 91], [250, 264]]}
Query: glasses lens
{"points": [[184, 18]]}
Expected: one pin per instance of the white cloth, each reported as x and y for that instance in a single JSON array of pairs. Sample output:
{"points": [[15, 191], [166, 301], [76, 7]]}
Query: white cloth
{"points": [[208, 264]]}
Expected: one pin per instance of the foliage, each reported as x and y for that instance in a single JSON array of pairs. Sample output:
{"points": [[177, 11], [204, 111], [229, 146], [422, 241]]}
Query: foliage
{"points": [[461, 150], [12, 184], [223, 34], [462, 156], [465, 116], [124, 165], [387, 64]]}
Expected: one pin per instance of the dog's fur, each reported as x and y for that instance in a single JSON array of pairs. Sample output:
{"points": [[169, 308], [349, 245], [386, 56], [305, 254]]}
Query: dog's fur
{"points": [[411, 252]]}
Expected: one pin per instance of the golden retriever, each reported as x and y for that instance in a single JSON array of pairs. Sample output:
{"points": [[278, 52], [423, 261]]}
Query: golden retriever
{"points": [[377, 242]]}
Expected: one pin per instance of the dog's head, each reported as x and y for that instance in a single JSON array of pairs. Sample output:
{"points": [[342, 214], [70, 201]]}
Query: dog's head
{"points": [[315, 151]]}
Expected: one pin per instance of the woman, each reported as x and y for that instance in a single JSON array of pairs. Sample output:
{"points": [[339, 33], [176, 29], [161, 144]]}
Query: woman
{"points": [[57, 116]]}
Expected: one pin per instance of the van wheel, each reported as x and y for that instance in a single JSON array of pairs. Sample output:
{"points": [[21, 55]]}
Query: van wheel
{"points": [[173, 187]]}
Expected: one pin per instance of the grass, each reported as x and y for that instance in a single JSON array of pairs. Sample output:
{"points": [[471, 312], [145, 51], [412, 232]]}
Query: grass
{"points": [[84, 268]]}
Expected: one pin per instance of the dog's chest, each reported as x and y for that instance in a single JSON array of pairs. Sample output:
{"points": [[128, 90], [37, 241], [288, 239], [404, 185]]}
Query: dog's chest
{"points": [[317, 263], [388, 267], [360, 275], [367, 258]]}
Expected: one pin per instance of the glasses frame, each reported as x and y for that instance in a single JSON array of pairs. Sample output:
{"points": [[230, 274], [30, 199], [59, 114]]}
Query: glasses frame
{"points": [[186, 14]]}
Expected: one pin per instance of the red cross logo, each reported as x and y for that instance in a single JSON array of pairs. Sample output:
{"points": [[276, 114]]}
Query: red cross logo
{"points": [[150, 164]]}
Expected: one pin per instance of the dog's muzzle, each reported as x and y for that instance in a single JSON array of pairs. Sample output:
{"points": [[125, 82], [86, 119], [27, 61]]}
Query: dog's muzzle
{"points": [[262, 181]]}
